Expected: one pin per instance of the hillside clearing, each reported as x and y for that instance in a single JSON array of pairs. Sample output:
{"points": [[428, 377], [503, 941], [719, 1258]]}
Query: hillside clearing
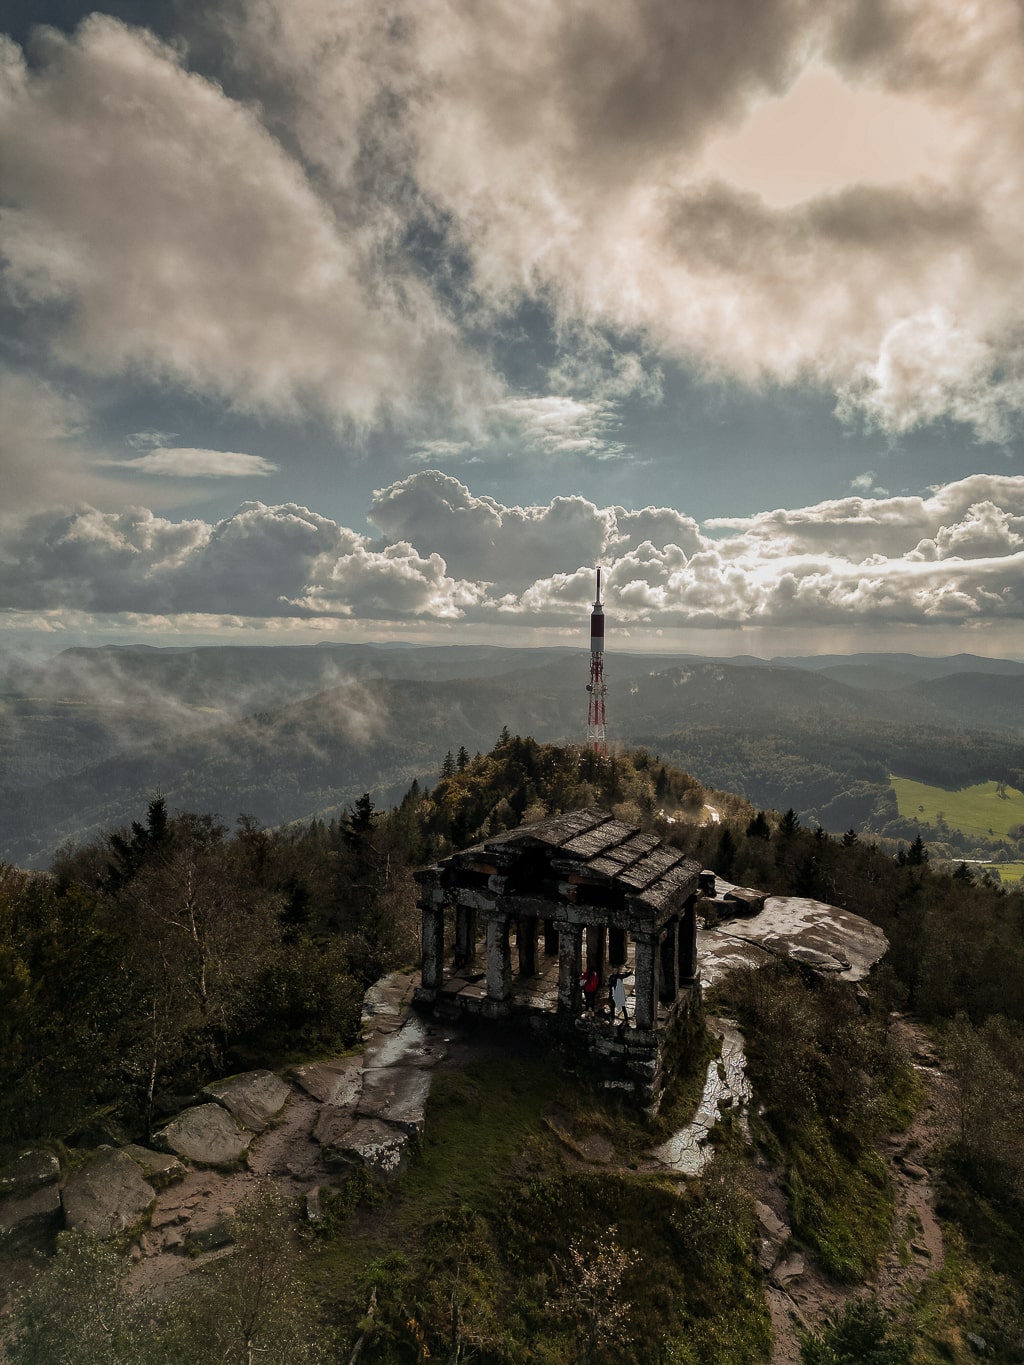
{"points": [[987, 810]]}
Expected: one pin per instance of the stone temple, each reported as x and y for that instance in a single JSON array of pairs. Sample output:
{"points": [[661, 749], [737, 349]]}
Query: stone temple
{"points": [[510, 924]]}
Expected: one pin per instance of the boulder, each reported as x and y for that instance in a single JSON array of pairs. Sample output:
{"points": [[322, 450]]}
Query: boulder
{"points": [[160, 1168], [377, 1146], [337, 1082], [254, 1097], [30, 1221], [207, 1135], [28, 1172], [106, 1195]]}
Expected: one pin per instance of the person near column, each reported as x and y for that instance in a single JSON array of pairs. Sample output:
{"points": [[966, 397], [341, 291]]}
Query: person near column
{"points": [[617, 994], [590, 981]]}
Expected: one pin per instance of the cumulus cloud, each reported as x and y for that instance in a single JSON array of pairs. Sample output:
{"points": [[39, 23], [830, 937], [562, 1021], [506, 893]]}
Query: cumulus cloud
{"points": [[955, 557], [483, 539], [188, 463]]}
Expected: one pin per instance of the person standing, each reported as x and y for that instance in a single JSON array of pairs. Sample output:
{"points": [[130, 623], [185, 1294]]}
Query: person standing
{"points": [[591, 981], [617, 995]]}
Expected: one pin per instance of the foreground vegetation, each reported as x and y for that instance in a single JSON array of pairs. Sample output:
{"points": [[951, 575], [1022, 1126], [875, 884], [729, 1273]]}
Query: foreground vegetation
{"points": [[165, 953]]}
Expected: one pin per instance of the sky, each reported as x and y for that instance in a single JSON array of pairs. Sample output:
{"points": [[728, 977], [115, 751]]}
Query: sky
{"points": [[392, 320]]}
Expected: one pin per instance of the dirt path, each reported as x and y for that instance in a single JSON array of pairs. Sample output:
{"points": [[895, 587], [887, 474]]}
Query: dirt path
{"points": [[915, 1249], [285, 1153]]}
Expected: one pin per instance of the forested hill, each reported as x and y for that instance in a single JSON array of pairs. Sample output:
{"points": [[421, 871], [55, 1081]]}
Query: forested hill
{"points": [[87, 738], [173, 950]]}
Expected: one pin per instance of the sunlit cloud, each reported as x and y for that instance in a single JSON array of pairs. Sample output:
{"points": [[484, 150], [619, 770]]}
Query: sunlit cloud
{"points": [[185, 463]]}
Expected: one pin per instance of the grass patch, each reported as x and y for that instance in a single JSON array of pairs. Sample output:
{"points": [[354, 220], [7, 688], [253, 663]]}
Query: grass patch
{"points": [[979, 811], [473, 1245], [1006, 872], [841, 1202]]}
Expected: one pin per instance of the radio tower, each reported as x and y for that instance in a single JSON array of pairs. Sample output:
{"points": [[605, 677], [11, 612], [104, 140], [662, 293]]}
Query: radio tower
{"points": [[596, 739]]}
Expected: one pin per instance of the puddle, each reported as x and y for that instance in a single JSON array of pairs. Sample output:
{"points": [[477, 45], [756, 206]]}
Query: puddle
{"points": [[726, 1086]]}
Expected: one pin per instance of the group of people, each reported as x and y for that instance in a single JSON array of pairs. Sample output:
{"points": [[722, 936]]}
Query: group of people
{"points": [[591, 983]]}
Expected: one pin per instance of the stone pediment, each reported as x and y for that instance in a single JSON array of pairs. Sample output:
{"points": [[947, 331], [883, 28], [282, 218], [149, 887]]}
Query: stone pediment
{"points": [[581, 857]]}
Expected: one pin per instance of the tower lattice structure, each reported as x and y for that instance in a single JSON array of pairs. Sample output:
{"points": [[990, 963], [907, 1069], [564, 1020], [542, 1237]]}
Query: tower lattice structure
{"points": [[596, 735]]}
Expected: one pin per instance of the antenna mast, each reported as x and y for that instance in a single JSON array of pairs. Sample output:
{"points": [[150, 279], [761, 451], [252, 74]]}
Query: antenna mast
{"points": [[596, 738]]}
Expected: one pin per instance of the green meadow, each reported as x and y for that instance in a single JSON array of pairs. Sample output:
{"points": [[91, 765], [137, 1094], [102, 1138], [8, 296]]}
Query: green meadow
{"points": [[984, 812]]}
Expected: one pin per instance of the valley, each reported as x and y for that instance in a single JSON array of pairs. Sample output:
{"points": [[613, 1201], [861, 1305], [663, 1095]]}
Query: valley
{"points": [[295, 733]]}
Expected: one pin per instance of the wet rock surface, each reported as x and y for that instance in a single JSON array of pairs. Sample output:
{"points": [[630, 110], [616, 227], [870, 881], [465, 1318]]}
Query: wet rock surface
{"points": [[107, 1194], [338, 1114], [725, 1086]]}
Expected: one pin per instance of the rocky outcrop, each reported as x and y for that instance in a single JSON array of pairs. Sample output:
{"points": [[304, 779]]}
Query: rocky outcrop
{"points": [[30, 1207], [107, 1195], [207, 1135], [826, 938], [254, 1097]]}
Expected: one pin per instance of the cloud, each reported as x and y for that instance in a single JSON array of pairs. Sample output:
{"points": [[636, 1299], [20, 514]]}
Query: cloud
{"points": [[484, 540], [185, 463], [170, 235], [565, 160], [955, 558], [350, 223]]}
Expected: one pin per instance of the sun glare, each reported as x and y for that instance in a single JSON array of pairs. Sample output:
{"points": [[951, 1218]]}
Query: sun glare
{"points": [[824, 134]]}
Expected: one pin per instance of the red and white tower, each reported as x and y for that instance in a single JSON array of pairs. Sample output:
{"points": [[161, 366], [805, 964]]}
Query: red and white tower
{"points": [[596, 738]]}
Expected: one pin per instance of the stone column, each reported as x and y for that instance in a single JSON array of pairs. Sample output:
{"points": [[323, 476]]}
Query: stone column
{"points": [[596, 935], [526, 942], [433, 946], [645, 967], [616, 946], [499, 959], [550, 938], [668, 982], [465, 935], [688, 943], [570, 965]]}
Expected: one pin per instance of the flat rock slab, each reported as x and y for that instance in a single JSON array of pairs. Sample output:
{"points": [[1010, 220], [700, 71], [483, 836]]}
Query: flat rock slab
{"points": [[380, 1147], [106, 1195], [338, 1083], [822, 936], [254, 1097], [718, 955], [29, 1221], [387, 1001], [160, 1168], [207, 1135], [28, 1172], [397, 1095], [409, 1045]]}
